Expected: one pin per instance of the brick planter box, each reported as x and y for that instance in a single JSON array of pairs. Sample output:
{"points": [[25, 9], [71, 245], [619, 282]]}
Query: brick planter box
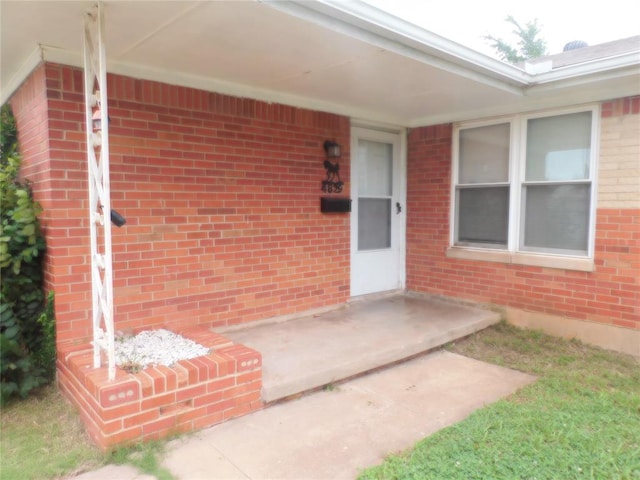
{"points": [[161, 401]]}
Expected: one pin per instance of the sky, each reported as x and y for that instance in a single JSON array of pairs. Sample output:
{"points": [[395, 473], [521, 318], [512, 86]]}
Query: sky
{"points": [[561, 21]]}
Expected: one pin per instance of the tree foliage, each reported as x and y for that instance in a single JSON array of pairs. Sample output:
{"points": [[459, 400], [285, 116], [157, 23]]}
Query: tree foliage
{"points": [[27, 333], [529, 44]]}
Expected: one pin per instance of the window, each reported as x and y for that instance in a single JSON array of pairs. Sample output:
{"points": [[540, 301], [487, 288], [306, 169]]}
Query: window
{"points": [[482, 196], [523, 187]]}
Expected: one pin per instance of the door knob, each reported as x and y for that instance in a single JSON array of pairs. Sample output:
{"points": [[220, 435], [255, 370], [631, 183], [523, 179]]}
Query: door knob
{"points": [[398, 208]]}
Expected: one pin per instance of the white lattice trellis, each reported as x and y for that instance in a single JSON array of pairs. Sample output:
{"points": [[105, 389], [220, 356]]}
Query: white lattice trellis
{"points": [[95, 91]]}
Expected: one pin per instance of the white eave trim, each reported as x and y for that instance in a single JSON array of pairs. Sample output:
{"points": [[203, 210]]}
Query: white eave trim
{"points": [[427, 41], [33, 60], [608, 64], [376, 27]]}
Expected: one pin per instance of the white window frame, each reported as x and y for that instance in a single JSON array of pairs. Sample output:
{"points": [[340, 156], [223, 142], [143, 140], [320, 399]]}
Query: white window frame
{"points": [[513, 253]]}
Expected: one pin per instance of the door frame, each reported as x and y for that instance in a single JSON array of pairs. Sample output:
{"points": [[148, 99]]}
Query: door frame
{"points": [[381, 133]]}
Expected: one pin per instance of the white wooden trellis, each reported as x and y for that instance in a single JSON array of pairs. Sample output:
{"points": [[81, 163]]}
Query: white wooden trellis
{"points": [[95, 94]]}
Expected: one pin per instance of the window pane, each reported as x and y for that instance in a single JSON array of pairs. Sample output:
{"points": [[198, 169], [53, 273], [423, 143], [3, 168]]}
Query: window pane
{"points": [[374, 223], [557, 217], [374, 168], [484, 154], [483, 215], [559, 148]]}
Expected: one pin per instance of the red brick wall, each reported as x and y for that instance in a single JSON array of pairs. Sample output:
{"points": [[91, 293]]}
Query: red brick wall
{"points": [[221, 197], [30, 109], [610, 294]]}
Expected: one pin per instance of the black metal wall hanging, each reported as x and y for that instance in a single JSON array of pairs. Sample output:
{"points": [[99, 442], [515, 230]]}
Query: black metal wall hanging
{"points": [[332, 183]]}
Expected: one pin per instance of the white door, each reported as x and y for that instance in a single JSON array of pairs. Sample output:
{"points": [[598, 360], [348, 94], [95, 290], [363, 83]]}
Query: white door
{"points": [[378, 212]]}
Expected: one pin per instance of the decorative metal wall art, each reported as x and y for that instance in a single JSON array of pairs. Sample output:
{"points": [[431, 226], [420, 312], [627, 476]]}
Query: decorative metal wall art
{"points": [[332, 183]]}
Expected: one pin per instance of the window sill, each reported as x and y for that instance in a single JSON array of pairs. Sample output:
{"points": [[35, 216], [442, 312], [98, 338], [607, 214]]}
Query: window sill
{"points": [[520, 258]]}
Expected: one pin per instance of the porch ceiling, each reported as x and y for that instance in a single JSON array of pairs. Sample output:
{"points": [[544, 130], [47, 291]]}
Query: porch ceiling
{"points": [[342, 57]]}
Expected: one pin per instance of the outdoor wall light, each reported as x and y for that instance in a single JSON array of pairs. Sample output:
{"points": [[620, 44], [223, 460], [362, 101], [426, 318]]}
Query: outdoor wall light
{"points": [[332, 183], [332, 149]]}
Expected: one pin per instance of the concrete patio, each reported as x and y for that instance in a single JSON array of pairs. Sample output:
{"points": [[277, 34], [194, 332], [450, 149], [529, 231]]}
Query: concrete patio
{"points": [[302, 354], [336, 432]]}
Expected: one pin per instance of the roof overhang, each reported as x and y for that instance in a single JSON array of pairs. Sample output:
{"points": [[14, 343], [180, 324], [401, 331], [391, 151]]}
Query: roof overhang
{"points": [[342, 57]]}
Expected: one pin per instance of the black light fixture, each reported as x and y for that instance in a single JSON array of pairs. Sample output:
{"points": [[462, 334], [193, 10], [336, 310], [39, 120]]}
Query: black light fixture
{"points": [[332, 149], [332, 183], [117, 219]]}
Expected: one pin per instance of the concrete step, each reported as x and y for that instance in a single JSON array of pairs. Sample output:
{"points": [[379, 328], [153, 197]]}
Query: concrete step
{"points": [[306, 353]]}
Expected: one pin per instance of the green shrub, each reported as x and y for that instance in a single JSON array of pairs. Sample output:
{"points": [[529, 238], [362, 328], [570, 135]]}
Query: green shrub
{"points": [[46, 355], [27, 328]]}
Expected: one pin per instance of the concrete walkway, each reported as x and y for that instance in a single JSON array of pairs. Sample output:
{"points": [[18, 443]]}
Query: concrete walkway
{"points": [[334, 434]]}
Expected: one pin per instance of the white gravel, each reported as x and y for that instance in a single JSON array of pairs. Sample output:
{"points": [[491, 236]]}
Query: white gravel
{"points": [[155, 347]]}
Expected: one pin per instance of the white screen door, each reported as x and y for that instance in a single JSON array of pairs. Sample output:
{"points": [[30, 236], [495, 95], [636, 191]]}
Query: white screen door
{"points": [[378, 212]]}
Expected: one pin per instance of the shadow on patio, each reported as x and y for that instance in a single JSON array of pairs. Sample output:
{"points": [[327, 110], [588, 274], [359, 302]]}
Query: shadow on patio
{"points": [[305, 353]]}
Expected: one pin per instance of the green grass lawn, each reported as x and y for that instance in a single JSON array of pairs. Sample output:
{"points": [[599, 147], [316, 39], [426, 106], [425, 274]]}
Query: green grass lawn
{"points": [[43, 437], [580, 420]]}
